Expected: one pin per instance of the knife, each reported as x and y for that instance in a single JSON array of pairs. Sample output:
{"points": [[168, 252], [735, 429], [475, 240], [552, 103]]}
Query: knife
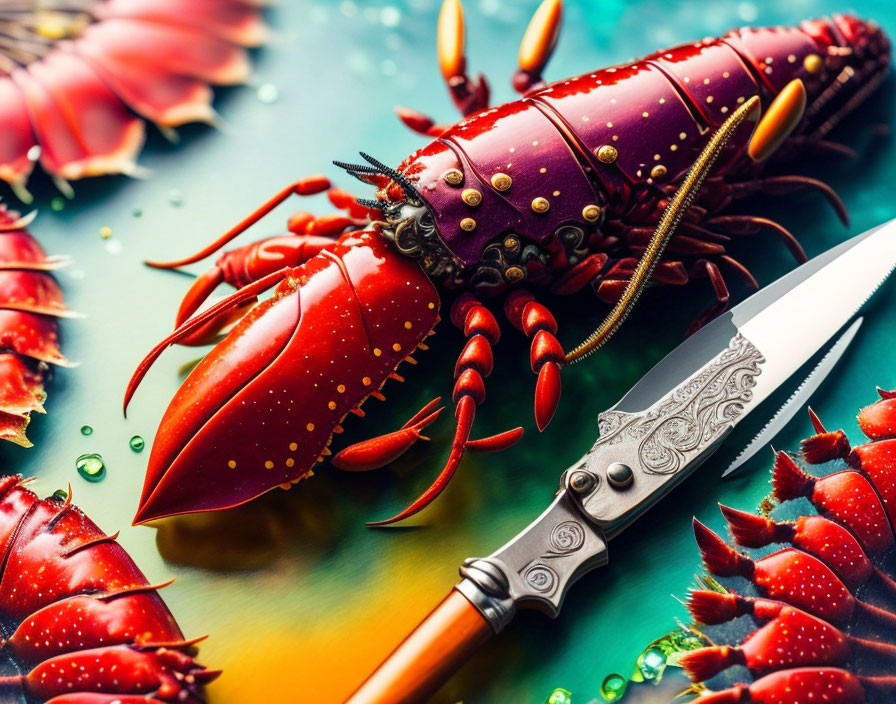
{"points": [[668, 424]]}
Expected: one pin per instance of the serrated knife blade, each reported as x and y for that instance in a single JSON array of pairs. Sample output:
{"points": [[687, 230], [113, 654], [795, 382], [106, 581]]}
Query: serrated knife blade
{"points": [[798, 398]]}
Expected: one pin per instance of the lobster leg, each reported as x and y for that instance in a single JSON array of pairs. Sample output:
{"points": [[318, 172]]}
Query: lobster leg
{"points": [[310, 185], [197, 322], [379, 451], [781, 185], [471, 95], [239, 268], [546, 354], [474, 363]]}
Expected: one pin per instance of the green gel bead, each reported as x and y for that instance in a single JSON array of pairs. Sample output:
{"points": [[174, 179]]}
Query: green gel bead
{"points": [[613, 687], [560, 696], [57, 204], [60, 494], [86, 430], [91, 467], [137, 443]]}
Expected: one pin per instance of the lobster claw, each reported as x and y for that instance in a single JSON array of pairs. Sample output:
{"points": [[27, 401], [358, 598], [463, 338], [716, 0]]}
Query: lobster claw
{"points": [[259, 411]]}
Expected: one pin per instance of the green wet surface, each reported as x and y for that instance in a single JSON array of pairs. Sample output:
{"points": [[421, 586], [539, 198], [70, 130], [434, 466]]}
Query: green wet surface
{"points": [[292, 575]]}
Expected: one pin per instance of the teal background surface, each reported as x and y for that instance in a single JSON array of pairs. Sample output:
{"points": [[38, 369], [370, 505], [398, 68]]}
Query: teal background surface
{"points": [[299, 599]]}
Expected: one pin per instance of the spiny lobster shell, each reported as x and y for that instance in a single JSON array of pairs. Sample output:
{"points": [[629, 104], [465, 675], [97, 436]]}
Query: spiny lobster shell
{"points": [[821, 611], [80, 623], [30, 303]]}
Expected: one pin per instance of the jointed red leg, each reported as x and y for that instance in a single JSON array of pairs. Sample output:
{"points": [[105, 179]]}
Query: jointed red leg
{"points": [[379, 451], [546, 354], [474, 363], [471, 95]]}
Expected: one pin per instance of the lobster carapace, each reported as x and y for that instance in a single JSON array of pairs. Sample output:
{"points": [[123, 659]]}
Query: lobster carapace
{"points": [[597, 181]]}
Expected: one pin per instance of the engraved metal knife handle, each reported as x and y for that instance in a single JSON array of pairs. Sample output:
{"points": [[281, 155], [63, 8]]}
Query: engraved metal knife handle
{"points": [[640, 457], [536, 568]]}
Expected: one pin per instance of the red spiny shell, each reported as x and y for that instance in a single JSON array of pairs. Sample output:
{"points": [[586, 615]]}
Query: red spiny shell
{"points": [[865, 646], [847, 497], [806, 582], [835, 546], [79, 616], [30, 302], [800, 686]]}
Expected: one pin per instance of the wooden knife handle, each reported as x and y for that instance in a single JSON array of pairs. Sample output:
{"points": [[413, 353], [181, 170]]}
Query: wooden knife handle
{"points": [[428, 656]]}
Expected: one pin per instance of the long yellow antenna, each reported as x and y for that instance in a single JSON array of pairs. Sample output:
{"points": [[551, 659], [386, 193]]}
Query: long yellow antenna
{"points": [[672, 215]]}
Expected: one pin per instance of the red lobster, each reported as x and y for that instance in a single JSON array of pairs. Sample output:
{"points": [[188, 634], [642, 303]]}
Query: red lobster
{"points": [[825, 600], [584, 182], [30, 303], [80, 623]]}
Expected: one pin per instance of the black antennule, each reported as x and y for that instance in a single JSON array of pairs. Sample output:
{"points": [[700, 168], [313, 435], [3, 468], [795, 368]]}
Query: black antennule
{"points": [[370, 203]]}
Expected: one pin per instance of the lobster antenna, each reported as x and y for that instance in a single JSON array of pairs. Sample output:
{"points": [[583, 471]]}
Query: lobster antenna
{"points": [[669, 221], [396, 176]]}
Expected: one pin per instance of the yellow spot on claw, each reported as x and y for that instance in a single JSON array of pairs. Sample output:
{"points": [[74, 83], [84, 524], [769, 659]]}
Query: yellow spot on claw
{"points": [[366, 381], [290, 462], [407, 325], [310, 427], [232, 464], [377, 351], [332, 405], [268, 465], [396, 347], [341, 388], [429, 305], [293, 446]]}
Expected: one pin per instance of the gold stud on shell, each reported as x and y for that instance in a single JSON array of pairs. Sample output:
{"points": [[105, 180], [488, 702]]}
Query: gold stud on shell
{"points": [[471, 197], [591, 213], [541, 205], [511, 244], [468, 224], [501, 182], [514, 273], [453, 177], [658, 171], [607, 153], [813, 63]]}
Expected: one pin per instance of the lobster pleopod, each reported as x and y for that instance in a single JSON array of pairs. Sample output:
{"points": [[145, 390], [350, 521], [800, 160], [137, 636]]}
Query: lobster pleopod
{"points": [[80, 623], [30, 304], [819, 612], [611, 181]]}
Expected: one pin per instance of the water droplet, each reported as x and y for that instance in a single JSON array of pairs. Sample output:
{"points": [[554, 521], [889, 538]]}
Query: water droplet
{"points": [[91, 467], [613, 687], [137, 212], [560, 696], [268, 93], [57, 203], [60, 494], [86, 430], [652, 663], [137, 443], [105, 232], [176, 197], [114, 246]]}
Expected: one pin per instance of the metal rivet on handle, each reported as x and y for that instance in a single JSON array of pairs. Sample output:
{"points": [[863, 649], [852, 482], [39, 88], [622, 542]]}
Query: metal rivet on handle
{"points": [[620, 475]]}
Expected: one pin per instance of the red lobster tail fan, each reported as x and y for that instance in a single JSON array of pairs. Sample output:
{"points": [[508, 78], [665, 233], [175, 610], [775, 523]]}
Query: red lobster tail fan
{"points": [[720, 559], [788, 480], [825, 447], [712, 608], [753, 531], [704, 663]]}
